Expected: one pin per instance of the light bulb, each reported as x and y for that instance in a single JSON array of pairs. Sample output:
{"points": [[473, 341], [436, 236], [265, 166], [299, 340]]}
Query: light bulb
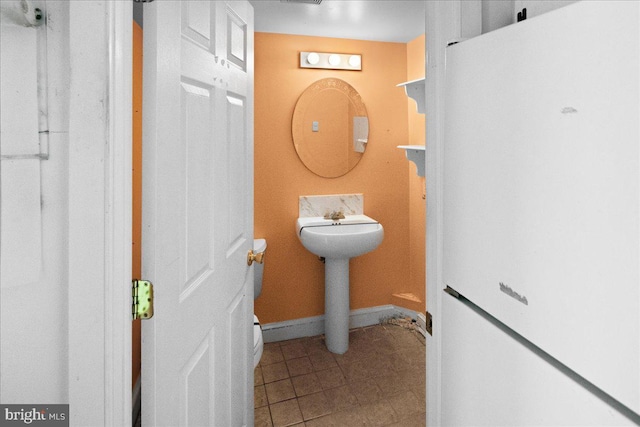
{"points": [[354, 61], [313, 58], [334, 59]]}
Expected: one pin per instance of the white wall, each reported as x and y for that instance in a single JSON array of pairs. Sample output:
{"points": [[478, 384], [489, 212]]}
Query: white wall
{"points": [[65, 315], [496, 14], [33, 295], [500, 13], [538, 7]]}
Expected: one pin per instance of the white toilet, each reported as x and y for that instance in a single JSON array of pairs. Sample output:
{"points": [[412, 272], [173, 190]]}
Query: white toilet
{"points": [[259, 245]]}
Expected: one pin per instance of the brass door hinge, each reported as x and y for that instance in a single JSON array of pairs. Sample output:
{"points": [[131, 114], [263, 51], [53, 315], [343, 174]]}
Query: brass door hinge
{"points": [[142, 299]]}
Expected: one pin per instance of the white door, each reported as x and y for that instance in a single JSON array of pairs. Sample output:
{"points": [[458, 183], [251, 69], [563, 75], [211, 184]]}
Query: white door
{"points": [[197, 350]]}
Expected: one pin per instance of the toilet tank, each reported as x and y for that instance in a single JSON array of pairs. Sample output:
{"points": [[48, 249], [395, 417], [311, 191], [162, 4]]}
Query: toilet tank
{"points": [[259, 245]]}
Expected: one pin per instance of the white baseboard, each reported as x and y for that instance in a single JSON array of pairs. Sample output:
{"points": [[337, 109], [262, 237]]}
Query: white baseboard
{"points": [[311, 326]]}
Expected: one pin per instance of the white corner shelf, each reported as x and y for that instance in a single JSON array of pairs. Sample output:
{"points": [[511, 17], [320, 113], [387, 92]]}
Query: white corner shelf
{"points": [[415, 154], [415, 90]]}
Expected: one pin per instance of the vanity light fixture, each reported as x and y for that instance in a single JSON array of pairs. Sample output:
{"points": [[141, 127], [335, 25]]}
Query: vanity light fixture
{"points": [[331, 61]]}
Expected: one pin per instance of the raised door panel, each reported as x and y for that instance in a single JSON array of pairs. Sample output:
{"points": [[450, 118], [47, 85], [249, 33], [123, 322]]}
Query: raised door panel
{"points": [[197, 218]]}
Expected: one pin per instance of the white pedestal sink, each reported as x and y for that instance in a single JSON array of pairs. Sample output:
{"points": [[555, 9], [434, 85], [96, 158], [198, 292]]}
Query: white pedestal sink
{"points": [[338, 241]]}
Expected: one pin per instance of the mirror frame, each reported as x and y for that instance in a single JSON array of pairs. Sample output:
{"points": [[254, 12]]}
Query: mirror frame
{"points": [[298, 125]]}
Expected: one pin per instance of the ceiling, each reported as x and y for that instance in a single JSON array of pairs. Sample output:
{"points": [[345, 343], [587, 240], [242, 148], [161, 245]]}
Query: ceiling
{"points": [[389, 21]]}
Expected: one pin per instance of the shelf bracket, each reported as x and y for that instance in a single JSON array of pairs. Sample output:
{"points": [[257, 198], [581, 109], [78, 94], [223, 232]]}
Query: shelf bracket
{"points": [[415, 154], [415, 89]]}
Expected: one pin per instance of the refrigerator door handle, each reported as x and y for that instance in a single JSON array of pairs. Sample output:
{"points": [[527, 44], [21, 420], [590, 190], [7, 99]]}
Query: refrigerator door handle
{"points": [[452, 292]]}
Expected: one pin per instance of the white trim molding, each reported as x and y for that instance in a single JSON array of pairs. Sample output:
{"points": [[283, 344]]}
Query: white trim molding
{"points": [[100, 39], [446, 20], [311, 326], [119, 177]]}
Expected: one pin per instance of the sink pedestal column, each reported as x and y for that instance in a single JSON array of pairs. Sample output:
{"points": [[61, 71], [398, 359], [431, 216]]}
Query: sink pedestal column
{"points": [[336, 304]]}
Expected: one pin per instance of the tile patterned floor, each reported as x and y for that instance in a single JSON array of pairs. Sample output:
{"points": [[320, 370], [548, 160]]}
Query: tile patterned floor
{"points": [[379, 381]]}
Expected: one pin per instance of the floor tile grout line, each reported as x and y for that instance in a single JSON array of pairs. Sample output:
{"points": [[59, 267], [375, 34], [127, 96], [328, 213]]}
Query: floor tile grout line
{"points": [[348, 381]]}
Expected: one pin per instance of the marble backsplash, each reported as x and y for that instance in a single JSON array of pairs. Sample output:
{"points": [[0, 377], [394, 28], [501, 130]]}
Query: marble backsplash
{"points": [[348, 204]]}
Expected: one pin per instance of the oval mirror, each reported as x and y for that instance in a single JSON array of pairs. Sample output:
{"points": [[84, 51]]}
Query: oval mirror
{"points": [[330, 127]]}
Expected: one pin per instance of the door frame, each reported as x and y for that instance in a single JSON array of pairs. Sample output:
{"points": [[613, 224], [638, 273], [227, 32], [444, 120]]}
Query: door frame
{"points": [[100, 205], [446, 20], [99, 227]]}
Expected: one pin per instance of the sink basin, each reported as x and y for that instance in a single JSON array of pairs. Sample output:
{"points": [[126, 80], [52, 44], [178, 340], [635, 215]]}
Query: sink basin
{"points": [[337, 241], [344, 238]]}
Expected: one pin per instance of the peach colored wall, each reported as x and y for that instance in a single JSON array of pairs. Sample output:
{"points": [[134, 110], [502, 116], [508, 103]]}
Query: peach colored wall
{"points": [[293, 285], [417, 186]]}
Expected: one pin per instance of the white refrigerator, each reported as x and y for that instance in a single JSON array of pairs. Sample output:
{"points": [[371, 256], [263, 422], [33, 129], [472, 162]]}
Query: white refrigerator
{"points": [[541, 193]]}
